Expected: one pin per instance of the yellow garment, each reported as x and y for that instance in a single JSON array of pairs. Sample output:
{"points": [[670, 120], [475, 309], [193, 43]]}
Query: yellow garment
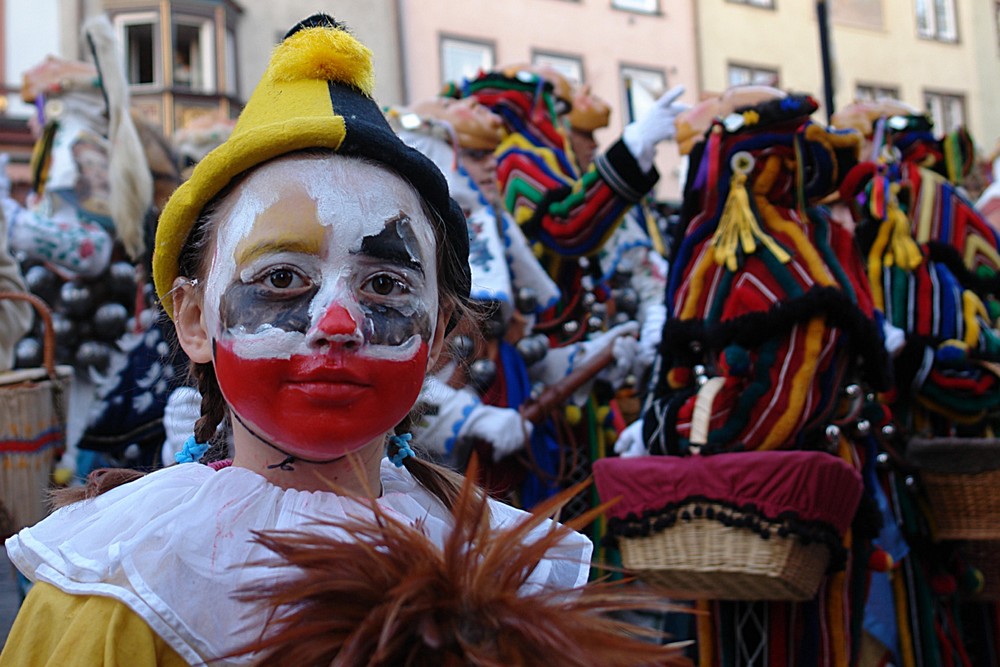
{"points": [[56, 629]]}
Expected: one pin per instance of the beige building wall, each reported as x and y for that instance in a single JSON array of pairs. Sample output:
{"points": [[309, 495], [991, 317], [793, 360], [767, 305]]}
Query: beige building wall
{"points": [[374, 22], [602, 37], [874, 43]]}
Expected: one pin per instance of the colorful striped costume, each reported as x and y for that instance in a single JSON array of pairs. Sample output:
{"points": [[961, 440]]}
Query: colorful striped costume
{"points": [[773, 343], [569, 213], [933, 264]]}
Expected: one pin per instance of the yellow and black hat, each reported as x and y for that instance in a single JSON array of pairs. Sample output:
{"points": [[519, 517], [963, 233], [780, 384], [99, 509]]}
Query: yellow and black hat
{"points": [[315, 93]]}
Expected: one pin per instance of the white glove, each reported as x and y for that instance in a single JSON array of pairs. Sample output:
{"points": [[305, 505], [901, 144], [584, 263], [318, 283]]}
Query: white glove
{"points": [[625, 349], [630, 443], [643, 134], [504, 428], [894, 338], [653, 318]]}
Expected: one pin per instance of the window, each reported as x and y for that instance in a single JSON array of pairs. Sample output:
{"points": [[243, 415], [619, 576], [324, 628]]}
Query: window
{"points": [[464, 59], [947, 110], [756, 3], [865, 92], [641, 88], [744, 75], [936, 20], [644, 6], [194, 54], [138, 35], [570, 67], [857, 13]]}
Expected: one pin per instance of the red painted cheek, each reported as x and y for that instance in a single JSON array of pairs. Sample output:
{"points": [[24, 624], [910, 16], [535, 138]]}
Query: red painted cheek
{"points": [[353, 401]]}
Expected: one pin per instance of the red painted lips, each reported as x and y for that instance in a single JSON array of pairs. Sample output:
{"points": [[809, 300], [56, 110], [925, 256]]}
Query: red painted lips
{"points": [[320, 406]]}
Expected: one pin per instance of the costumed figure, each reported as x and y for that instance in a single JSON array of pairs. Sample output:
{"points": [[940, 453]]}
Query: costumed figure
{"points": [[312, 266], [568, 213], [101, 173], [567, 209], [499, 368], [633, 270], [932, 264], [772, 343]]}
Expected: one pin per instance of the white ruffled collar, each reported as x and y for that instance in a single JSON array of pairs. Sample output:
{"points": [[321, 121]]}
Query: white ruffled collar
{"points": [[175, 544]]}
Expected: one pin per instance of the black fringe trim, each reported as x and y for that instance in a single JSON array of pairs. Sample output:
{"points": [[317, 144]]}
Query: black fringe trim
{"points": [[748, 516]]}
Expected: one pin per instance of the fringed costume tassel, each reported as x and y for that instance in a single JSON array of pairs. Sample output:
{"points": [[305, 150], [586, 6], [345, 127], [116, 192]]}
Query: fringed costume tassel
{"points": [[738, 231]]}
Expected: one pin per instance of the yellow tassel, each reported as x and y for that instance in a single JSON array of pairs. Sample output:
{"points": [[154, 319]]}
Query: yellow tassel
{"points": [[738, 229], [902, 250]]}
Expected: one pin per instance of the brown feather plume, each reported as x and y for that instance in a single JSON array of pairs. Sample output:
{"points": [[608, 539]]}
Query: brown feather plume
{"points": [[389, 596]]}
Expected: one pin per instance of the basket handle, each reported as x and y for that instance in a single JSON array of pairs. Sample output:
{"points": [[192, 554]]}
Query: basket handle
{"points": [[48, 335]]}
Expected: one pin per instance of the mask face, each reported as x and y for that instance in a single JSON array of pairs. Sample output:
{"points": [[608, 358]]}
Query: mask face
{"points": [[322, 302]]}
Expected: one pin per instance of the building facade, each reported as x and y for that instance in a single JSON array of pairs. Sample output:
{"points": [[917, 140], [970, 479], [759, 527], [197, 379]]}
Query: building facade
{"points": [[938, 55], [627, 51], [186, 57]]}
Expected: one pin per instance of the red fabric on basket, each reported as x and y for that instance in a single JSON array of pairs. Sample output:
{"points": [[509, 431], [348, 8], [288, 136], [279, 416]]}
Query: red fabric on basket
{"points": [[816, 486]]}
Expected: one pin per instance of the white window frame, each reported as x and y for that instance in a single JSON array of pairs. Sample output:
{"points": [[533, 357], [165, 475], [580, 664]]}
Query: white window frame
{"points": [[873, 92], [206, 43], [569, 66], [937, 19], [756, 75], [640, 6], [946, 118], [765, 4], [121, 23], [232, 83], [641, 87], [485, 50]]}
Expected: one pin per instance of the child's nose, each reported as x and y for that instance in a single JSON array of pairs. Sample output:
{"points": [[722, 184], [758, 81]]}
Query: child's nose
{"points": [[337, 327]]}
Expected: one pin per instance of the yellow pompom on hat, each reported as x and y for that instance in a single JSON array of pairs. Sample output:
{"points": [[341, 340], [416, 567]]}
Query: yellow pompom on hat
{"points": [[315, 93]]}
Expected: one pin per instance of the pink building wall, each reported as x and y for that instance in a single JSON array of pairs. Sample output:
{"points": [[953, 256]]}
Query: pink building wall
{"points": [[603, 37]]}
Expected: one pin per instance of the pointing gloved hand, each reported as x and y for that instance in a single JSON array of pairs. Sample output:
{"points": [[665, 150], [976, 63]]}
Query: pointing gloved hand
{"points": [[504, 428], [643, 134]]}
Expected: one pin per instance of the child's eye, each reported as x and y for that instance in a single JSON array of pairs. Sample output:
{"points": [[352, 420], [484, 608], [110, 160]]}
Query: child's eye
{"points": [[384, 284], [283, 279]]}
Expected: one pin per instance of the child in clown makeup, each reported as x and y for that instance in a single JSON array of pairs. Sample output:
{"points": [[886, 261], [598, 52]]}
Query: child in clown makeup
{"points": [[312, 266], [319, 311]]}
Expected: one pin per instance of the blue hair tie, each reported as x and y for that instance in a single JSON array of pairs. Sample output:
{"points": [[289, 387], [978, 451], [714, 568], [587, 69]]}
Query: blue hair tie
{"points": [[192, 452], [403, 449]]}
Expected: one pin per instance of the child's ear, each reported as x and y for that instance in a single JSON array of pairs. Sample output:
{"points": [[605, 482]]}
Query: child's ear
{"points": [[444, 314], [192, 333]]}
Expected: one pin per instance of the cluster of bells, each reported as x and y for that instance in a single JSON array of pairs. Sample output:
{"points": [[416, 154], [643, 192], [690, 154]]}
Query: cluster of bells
{"points": [[88, 316], [533, 348], [859, 427]]}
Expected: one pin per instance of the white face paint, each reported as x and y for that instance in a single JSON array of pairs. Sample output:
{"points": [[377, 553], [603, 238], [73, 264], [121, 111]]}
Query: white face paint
{"points": [[322, 302], [333, 223]]}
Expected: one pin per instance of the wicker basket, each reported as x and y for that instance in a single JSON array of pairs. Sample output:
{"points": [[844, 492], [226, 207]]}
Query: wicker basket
{"points": [[702, 559], [964, 506], [33, 408]]}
